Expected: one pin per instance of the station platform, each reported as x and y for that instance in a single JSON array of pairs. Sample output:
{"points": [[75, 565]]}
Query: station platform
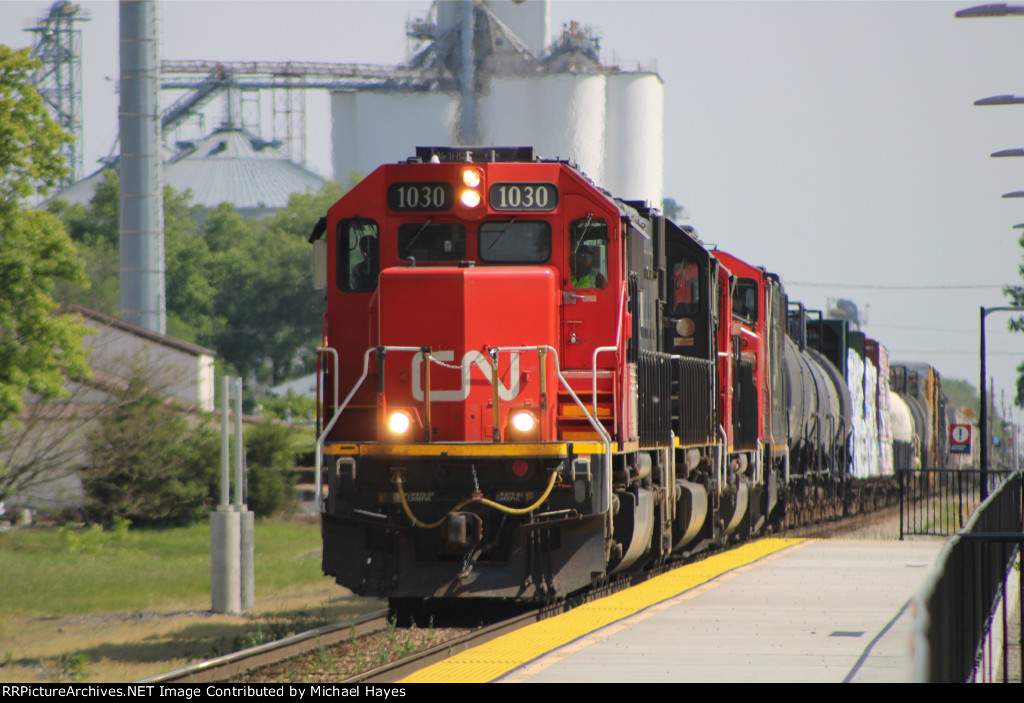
{"points": [[776, 610]]}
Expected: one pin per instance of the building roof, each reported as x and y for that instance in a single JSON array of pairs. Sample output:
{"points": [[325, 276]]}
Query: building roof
{"points": [[231, 165], [142, 332]]}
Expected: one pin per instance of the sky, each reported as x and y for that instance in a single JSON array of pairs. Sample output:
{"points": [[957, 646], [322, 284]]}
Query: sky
{"points": [[833, 143]]}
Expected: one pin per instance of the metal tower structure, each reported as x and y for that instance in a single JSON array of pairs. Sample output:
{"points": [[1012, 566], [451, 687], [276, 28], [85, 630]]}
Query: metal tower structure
{"points": [[458, 47], [58, 79], [143, 285], [287, 81]]}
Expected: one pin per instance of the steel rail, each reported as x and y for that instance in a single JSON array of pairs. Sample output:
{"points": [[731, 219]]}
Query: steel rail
{"points": [[236, 663], [397, 670]]}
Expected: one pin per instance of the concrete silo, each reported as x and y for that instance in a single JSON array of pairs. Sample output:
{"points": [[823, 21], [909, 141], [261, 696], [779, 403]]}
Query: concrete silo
{"points": [[556, 97]]}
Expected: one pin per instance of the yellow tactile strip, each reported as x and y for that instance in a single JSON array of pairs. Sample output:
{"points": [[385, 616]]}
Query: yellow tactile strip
{"points": [[499, 656]]}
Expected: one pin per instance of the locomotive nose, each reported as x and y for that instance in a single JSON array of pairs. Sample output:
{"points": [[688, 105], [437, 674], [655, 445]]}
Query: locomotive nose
{"points": [[471, 321]]}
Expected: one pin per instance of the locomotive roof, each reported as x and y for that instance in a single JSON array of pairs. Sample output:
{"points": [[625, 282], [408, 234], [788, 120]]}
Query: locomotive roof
{"points": [[637, 212]]}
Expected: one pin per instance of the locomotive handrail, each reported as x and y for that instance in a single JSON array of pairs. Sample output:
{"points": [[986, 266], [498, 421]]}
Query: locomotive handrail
{"points": [[334, 354], [593, 422], [719, 478], [615, 348], [593, 371], [606, 438], [337, 413]]}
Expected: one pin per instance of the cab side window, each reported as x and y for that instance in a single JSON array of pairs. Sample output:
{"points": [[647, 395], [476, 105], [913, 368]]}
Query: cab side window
{"points": [[358, 263], [588, 253], [685, 287], [744, 299]]}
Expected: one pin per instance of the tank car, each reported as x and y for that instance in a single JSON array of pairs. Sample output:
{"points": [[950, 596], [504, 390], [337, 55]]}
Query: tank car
{"points": [[528, 385]]}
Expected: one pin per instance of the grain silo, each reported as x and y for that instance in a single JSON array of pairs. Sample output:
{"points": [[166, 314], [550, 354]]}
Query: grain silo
{"points": [[558, 98]]}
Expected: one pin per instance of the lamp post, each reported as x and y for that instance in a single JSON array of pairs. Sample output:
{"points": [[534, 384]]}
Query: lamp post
{"points": [[984, 400], [993, 10]]}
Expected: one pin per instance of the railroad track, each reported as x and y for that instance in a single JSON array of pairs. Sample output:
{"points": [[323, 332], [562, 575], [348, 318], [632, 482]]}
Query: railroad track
{"points": [[241, 665], [241, 662], [245, 665], [832, 528]]}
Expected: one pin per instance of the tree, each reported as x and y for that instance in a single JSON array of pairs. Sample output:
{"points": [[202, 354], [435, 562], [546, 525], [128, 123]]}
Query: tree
{"points": [[272, 315], [94, 228], [961, 394], [45, 450], [1016, 296], [270, 463], [37, 347], [30, 140], [239, 286], [154, 461]]}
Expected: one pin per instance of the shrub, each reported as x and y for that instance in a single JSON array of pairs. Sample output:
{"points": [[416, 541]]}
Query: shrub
{"points": [[270, 491], [270, 460], [154, 462]]}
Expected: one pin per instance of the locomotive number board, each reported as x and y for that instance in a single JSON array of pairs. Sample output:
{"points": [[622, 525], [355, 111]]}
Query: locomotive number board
{"points": [[421, 197], [524, 196]]}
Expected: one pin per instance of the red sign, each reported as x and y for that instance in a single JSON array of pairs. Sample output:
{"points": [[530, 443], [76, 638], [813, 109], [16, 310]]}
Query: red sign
{"points": [[959, 439]]}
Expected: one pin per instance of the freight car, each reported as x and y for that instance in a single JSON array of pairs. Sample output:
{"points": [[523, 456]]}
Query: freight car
{"points": [[528, 385]]}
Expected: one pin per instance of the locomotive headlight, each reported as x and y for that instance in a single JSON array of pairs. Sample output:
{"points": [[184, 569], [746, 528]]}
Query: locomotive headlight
{"points": [[471, 177], [470, 198], [685, 327], [523, 421], [399, 422]]}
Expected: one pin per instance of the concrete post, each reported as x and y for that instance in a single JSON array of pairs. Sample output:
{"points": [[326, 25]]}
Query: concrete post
{"points": [[232, 527], [247, 519], [247, 559], [225, 562]]}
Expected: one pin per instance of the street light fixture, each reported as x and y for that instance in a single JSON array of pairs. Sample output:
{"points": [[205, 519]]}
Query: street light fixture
{"points": [[1001, 100], [997, 10], [1008, 152]]}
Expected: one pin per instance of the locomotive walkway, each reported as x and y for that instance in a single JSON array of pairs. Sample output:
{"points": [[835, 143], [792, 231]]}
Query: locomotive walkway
{"points": [[773, 611]]}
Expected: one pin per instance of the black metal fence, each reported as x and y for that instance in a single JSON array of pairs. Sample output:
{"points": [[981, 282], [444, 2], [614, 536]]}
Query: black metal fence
{"points": [[969, 613], [941, 501]]}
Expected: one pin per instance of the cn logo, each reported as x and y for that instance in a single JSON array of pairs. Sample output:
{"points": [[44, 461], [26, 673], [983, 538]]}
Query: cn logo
{"points": [[470, 359]]}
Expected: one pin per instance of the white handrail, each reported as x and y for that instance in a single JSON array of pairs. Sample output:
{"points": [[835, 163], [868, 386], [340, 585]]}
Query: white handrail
{"points": [[340, 408], [606, 438], [593, 372]]}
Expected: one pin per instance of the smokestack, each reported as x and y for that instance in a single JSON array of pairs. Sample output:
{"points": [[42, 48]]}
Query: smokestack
{"points": [[142, 298]]}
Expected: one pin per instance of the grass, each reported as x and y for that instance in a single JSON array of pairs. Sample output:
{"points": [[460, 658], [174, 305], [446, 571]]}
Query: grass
{"points": [[91, 605], [61, 571]]}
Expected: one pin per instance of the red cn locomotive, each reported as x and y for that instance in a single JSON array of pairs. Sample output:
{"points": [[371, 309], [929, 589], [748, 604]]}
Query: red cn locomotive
{"points": [[528, 385]]}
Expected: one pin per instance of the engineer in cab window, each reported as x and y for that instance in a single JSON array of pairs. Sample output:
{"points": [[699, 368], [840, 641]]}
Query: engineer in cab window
{"points": [[584, 271], [686, 278], [364, 274]]}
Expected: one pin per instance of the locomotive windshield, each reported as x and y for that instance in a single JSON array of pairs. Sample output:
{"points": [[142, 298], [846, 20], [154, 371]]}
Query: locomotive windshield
{"points": [[432, 242], [588, 252], [515, 242]]}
